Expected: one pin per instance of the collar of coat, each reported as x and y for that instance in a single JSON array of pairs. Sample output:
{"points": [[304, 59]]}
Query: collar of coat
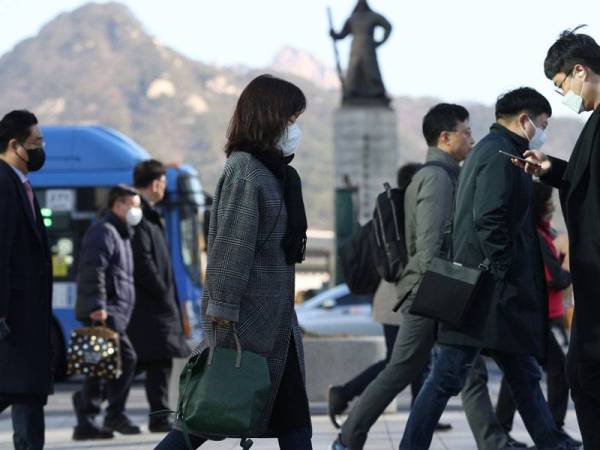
{"points": [[150, 212], [437, 155], [125, 231], [521, 144]]}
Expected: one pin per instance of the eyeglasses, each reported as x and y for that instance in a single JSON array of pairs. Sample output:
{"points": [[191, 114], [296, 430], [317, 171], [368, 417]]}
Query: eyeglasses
{"points": [[560, 91], [467, 133]]}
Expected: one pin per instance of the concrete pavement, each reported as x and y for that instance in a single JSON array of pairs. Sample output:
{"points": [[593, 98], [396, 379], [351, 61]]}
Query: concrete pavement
{"points": [[385, 435]]}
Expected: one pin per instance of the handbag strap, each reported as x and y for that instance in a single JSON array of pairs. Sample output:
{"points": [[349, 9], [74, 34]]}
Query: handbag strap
{"points": [[211, 353]]}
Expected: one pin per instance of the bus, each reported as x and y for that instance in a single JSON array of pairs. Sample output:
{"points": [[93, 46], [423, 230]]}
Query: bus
{"points": [[82, 163]]}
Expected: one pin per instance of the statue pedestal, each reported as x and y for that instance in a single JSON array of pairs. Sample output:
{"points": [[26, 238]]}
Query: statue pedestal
{"points": [[366, 154]]}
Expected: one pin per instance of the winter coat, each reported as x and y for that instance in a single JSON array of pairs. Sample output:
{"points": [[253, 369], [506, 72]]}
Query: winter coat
{"points": [[493, 220], [578, 182], [105, 272], [427, 212], [557, 278], [156, 328], [25, 293], [383, 304], [248, 280]]}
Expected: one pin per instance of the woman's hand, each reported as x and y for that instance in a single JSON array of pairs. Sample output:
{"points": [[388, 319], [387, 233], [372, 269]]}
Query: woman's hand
{"points": [[538, 163], [219, 321]]}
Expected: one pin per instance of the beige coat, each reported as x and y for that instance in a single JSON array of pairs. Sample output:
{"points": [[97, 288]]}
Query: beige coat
{"points": [[383, 303]]}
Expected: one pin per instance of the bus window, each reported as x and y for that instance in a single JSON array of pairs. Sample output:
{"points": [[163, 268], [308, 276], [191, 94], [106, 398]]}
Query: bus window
{"points": [[190, 242], [67, 215], [191, 207]]}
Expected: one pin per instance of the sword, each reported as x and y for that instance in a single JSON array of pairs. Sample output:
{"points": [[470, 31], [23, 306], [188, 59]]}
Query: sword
{"points": [[335, 51]]}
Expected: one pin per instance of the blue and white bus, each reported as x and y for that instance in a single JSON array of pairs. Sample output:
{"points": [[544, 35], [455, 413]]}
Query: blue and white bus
{"points": [[82, 163]]}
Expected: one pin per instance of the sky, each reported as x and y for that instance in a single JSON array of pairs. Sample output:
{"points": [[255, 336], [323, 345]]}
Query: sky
{"points": [[454, 50]]}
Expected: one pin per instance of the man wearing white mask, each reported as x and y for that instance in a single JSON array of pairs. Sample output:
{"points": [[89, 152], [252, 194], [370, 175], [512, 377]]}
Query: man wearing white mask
{"points": [[106, 293], [573, 65], [493, 226]]}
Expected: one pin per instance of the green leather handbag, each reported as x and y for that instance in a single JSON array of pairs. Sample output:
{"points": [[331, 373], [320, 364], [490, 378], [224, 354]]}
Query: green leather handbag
{"points": [[223, 393]]}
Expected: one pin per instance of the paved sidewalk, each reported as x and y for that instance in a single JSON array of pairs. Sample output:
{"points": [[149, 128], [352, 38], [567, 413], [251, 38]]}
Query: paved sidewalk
{"points": [[385, 435]]}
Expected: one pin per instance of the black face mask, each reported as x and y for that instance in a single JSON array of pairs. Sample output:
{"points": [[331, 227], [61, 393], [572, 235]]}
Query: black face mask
{"points": [[37, 158]]}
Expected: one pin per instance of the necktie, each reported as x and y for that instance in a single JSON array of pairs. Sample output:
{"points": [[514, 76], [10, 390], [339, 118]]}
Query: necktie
{"points": [[29, 190]]}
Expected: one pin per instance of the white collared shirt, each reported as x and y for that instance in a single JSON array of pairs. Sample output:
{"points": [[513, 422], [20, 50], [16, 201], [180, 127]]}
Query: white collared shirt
{"points": [[20, 174]]}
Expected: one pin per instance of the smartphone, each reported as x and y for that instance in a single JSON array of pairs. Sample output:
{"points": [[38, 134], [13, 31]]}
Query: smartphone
{"points": [[518, 158]]}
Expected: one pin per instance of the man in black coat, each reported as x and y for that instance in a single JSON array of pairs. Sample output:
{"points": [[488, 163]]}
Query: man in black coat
{"points": [[25, 283], [493, 223], [573, 65], [156, 328], [106, 293]]}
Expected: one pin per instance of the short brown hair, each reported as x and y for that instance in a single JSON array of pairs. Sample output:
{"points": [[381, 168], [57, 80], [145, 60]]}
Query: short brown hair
{"points": [[262, 114]]}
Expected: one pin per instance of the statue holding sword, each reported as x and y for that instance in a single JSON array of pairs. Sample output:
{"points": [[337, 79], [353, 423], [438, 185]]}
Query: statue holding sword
{"points": [[363, 83]]}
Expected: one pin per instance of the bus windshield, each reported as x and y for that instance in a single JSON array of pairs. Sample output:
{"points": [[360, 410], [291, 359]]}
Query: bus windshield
{"points": [[191, 207]]}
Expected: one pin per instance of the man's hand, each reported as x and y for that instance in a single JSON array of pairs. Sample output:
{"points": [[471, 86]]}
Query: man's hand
{"points": [[99, 315], [540, 164], [219, 321]]}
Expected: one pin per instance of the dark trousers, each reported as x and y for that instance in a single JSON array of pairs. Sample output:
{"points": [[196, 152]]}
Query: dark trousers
{"points": [[293, 439], [558, 388], [448, 378], [28, 421], [584, 381], [156, 384], [88, 400]]}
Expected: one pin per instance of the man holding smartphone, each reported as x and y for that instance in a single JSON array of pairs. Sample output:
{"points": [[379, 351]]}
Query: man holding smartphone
{"points": [[508, 316], [573, 65]]}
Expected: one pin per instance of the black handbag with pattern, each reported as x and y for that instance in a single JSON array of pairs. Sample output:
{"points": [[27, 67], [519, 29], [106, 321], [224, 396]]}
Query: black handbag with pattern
{"points": [[94, 352]]}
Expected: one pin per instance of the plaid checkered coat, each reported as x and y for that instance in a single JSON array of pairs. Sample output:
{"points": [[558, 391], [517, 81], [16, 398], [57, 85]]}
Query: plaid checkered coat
{"points": [[247, 278]]}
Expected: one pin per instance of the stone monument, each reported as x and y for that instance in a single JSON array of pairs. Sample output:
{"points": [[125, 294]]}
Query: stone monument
{"points": [[365, 136]]}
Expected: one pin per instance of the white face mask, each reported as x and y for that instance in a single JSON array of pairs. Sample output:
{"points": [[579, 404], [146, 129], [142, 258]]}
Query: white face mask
{"points": [[573, 101], [134, 216], [539, 138], [290, 140]]}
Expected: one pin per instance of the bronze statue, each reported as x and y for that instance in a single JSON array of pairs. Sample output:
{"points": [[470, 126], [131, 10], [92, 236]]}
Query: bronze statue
{"points": [[363, 84]]}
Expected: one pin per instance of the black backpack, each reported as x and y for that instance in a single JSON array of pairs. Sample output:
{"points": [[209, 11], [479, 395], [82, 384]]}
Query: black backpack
{"points": [[356, 260], [386, 240], [377, 250]]}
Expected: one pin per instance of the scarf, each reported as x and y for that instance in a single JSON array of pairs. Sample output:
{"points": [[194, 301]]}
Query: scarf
{"points": [[294, 240]]}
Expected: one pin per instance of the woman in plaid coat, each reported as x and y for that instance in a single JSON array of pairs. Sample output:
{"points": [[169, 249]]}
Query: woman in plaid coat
{"points": [[257, 234]]}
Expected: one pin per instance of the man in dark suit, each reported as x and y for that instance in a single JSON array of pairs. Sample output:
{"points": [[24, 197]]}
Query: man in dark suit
{"points": [[573, 65], [493, 226], [25, 283], [156, 327]]}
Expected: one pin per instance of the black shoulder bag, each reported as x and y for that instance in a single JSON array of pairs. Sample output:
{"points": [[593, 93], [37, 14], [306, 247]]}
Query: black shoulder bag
{"points": [[448, 287]]}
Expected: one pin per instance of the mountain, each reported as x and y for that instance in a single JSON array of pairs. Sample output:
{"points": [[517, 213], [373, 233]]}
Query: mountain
{"points": [[296, 62], [97, 64]]}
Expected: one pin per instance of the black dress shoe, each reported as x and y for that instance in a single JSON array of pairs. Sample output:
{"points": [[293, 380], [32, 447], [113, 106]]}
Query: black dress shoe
{"points": [[160, 425], [336, 403], [121, 424], [88, 431], [440, 426]]}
